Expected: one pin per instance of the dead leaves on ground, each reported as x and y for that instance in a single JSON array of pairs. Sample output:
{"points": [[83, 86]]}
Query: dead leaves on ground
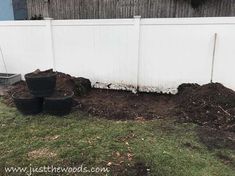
{"points": [[120, 158], [41, 153], [126, 138]]}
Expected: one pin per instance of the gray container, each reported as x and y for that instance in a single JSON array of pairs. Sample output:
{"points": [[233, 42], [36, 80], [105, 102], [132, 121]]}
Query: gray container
{"points": [[9, 79]]}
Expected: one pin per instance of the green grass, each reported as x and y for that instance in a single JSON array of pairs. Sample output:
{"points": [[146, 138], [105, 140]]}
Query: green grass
{"points": [[82, 139]]}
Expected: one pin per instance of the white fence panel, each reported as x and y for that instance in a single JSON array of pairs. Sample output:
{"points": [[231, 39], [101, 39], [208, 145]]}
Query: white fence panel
{"points": [[175, 54], [224, 69], [24, 45], [100, 50]]}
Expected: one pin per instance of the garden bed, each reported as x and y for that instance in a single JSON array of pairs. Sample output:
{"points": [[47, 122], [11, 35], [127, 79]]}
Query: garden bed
{"points": [[124, 105], [210, 105]]}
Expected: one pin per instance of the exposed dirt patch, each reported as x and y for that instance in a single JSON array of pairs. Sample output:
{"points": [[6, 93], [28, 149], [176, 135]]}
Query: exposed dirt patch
{"points": [[65, 82], [123, 105], [210, 105], [138, 169], [23, 95], [216, 139], [226, 159], [51, 138], [41, 153], [190, 146], [18, 87]]}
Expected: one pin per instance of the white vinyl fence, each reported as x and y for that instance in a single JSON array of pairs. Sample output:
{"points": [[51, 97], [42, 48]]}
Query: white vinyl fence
{"points": [[154, 54]]}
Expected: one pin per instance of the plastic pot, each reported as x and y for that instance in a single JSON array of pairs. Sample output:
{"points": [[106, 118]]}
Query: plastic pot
{"points": [[60, 103], [41, 85], [27, 104]]}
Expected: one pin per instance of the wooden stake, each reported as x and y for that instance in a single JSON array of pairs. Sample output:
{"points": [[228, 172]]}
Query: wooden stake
{"points": [[213, 57]]}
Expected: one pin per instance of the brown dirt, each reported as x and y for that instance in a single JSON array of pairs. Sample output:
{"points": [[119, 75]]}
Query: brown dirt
{"points": [[23, 95], [228, 160], [139, 168], [41, 153], [18, 87], [208, 105], [65, 82], [190, 146], [216, 139], [51, 138], [123, 105]]}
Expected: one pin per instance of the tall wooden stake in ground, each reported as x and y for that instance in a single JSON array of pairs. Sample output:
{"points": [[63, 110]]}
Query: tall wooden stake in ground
{"points": [[213, 58]]}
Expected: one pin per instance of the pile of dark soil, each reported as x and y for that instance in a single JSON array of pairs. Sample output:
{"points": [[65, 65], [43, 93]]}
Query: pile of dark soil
{"points": [[18, 87], [65, 82], [79, 86], [208, 105], [23, 95], [82, 86]]}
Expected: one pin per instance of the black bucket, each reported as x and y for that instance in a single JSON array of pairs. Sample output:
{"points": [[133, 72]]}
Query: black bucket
{"points": [[41, 85], [59, 105], [27, 105]]}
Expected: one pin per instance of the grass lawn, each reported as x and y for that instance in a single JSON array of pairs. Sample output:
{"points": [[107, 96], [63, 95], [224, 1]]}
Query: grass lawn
{"points": [[162, 147]]}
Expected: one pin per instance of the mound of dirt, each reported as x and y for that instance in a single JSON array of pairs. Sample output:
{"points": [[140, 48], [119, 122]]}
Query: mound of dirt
{"points": [[18, 87], [82, 86], [185, 89], [208, 105], [79, 85], [65, 82]]}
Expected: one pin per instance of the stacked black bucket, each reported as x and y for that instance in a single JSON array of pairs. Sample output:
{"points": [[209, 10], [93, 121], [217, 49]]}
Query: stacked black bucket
{"points": [[43, 96]]}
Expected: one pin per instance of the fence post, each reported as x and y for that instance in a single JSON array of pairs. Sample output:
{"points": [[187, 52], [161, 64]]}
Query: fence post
{"points": [[50, 41], [137, 47]]}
